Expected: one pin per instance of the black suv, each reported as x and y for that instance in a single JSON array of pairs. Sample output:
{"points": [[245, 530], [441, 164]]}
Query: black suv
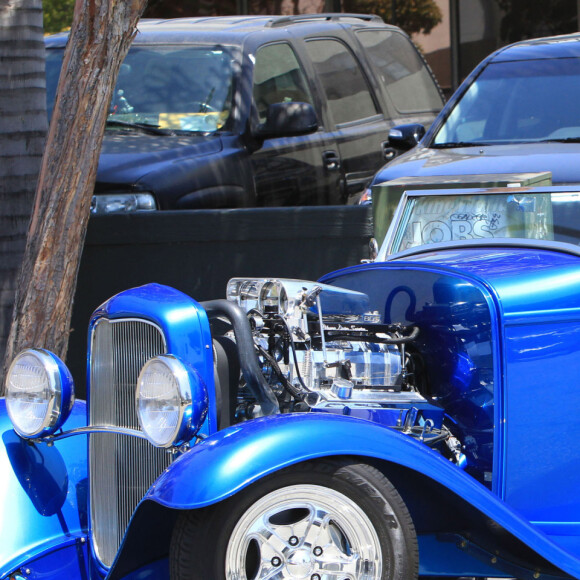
{"points": [[255, 111]]}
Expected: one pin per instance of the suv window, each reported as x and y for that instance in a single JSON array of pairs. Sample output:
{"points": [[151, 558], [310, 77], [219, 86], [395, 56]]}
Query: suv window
{"points": [[278, 78], [186, 88], [344, 83], [402, 70]]}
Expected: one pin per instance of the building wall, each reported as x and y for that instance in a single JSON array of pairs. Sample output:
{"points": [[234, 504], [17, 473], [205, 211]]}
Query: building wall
{"points": [[478, 30], [477, 33], [436, 47]]}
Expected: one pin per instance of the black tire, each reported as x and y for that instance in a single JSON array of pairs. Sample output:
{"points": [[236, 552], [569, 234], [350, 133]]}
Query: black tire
{"points": [[356, 507]]}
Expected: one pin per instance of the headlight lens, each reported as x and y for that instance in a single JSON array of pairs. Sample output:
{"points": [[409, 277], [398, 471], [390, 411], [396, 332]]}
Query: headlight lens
{"points": [[171, 401], [122, 203], [39, 393], [367, 197]]}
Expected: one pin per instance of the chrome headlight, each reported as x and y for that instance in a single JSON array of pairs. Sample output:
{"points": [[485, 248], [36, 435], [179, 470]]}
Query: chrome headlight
{"points": [[171, 401], [39, 393], [122, 203]]}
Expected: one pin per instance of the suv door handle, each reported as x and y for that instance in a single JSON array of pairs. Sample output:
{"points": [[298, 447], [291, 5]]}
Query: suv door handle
{"points": [[331, 160]]}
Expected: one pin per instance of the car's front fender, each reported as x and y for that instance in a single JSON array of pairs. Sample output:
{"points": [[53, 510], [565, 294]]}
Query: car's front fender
{"points": [[240, 455], [43, 495], [235, 457]]}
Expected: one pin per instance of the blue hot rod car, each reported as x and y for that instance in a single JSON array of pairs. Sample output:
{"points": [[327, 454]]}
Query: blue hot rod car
{"points": [[411, 416]]}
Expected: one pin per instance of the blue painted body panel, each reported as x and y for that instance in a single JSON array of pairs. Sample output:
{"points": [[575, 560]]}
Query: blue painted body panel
{"points": [[524, 281], [43, 500], [536, 294]]}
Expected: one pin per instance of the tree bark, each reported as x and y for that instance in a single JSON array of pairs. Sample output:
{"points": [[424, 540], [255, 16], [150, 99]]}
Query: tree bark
{"points": [[23, 130], [101, 34]]}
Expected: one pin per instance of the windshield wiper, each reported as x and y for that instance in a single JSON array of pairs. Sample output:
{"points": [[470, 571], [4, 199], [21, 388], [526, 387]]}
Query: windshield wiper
{"points": [[561, 140], [146, 127], [453, 144]]}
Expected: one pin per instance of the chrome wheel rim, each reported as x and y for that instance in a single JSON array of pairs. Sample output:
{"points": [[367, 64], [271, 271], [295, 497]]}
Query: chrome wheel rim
{"points": [[304, 532]]}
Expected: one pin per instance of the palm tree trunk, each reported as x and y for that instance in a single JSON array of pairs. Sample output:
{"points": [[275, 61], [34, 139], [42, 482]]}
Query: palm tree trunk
{"points": [[23, 127]]}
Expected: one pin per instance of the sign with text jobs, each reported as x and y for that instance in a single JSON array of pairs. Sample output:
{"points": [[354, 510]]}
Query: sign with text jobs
{"points": [[451, 218]]}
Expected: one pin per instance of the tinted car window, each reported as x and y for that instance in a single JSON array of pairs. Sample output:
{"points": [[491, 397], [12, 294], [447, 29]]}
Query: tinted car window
{"points": [[278, 78], [402, 71], [344, 83], [516, 101], [187, 89]]}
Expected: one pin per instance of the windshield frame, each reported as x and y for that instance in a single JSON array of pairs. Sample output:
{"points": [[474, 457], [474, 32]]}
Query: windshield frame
{"points": [[401, 218]]}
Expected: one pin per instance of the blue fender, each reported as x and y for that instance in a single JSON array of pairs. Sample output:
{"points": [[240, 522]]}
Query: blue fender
{"points": [[236, 457], [43, 496]]}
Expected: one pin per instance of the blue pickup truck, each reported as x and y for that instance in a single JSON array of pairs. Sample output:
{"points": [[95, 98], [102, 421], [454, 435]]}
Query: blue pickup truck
{"points": [[409, 417]]}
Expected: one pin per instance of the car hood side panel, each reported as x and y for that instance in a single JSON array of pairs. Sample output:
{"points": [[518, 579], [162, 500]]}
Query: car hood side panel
{"points": [[126, 159], [558, 158]]}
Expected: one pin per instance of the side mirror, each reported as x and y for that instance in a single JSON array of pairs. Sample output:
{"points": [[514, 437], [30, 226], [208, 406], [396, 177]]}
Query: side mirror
{"points": [[405, 137], [287, 120]]}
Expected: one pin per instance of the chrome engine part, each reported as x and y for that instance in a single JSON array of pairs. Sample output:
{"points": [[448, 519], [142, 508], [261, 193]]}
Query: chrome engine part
{"points": [[322, 344]]}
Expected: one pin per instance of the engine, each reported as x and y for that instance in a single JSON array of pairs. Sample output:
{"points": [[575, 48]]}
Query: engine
{"points": [[322, 347]]}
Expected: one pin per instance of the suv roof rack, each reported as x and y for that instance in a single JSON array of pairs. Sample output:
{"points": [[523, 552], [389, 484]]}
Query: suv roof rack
{"points": [[284, 20]]}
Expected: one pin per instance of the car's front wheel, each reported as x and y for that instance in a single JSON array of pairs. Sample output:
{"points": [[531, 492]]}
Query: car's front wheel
{"points": [[332, 520]]}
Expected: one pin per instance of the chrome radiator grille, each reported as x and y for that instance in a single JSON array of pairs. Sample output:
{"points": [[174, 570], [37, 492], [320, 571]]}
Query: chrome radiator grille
{"points": [[122, 468]]}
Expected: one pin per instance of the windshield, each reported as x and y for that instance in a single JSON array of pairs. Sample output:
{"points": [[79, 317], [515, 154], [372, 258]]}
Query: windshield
{"points": [[519, 101], [171, 87], [429, 219]]}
